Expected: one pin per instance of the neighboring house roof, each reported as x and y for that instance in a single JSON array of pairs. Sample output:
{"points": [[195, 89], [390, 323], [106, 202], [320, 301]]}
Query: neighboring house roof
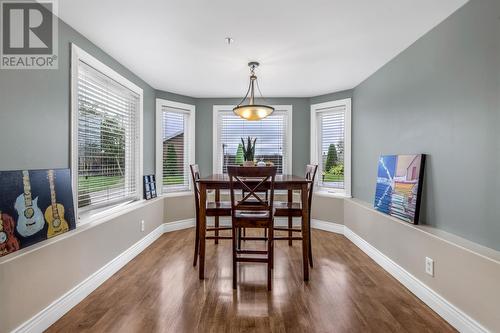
{"points": [[170, 137]]}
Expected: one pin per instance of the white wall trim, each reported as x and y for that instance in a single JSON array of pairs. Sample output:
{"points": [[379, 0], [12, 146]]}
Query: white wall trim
{"points": [[178, 225], [327, 226], [62, 305], [453, 315]]}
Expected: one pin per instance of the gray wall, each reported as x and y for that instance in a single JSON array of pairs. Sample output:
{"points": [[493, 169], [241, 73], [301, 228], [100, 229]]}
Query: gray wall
{"points": [[440, 97], [35, 110], [332, 97], [300, 130]]}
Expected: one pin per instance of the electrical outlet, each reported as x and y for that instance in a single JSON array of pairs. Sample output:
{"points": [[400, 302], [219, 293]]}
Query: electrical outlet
{"points": [[142, 226], [429, 266]]}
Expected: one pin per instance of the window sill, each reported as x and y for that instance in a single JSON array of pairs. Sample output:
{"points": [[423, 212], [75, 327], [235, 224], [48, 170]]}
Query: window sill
{"points": [[322, 192], [113, 212], [177, 194], [90, 221]]}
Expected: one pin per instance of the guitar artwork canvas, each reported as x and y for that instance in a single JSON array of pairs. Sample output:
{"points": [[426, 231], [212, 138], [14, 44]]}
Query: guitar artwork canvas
{"points": [[34, 205]]}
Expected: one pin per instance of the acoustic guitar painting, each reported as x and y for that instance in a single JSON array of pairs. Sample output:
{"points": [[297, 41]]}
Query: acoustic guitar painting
{"points": [[30, 220], [54, 215], [8, 241]]}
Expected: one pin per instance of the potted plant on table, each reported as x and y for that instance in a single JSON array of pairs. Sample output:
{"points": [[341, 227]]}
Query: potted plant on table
{"points": [[249, 151]]}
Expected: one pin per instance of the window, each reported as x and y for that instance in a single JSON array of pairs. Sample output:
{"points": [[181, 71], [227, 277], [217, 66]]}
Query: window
{"points": [[175, 145], [274, 139], [331, 145], [106, 135]]}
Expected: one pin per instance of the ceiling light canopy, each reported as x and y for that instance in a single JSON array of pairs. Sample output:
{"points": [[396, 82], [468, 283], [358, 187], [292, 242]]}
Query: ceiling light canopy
{"points": [[252, 111]]}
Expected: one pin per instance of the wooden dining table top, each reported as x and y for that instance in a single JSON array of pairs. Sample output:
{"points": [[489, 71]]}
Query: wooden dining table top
{"points": [[224, 178]]}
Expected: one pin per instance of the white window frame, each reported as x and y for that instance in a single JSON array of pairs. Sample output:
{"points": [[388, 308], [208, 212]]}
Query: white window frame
{"points": [[316, 109], [217, 162], [77, 55], [189, 141]]}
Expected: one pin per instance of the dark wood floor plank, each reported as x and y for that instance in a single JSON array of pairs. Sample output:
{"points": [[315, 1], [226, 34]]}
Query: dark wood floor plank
{"points": [[159, 291]]}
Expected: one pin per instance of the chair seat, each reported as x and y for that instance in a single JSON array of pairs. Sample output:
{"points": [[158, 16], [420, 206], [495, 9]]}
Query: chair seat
{"points": [[219, 208], [283, 208], [251, 219], [251, 214]]}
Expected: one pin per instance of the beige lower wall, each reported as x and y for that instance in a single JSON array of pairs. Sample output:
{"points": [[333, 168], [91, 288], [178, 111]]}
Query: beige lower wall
{"points": [[179, 208], [327, 208], [324, 208], [31, 281], [467, 279]]}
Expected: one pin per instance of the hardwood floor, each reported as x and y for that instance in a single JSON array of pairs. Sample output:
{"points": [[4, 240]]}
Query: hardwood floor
{"points": [[159, 291]]}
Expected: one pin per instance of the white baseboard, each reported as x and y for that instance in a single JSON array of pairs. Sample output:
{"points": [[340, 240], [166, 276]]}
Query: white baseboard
{"points": [[178, 225], [42, 320], [62, 305], [328, 226], [454, 316]]}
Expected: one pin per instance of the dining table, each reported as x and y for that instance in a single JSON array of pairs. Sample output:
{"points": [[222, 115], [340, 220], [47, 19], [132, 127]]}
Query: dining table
{"points": [[289, 183]]}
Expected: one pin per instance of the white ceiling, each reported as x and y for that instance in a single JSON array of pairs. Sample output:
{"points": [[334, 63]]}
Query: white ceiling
{"points": [[306, 48]]}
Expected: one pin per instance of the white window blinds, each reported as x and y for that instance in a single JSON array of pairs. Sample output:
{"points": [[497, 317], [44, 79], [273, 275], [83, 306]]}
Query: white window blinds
{"points": [[108, 139], [271, 134], [175, 150], [331, 141]]}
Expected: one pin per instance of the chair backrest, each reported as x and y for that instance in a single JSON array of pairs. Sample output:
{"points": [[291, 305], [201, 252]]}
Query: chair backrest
{"points": [[311, 170], [195, 175], [252, 180]]}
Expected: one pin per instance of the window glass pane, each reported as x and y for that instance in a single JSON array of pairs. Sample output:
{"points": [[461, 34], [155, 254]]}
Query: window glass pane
{"points": [[107, 139], [331, 147], [175, 175], [270, 133]]}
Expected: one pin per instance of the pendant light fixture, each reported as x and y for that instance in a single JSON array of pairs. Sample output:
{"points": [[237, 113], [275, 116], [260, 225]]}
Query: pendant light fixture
{"points": [[252, 111]]}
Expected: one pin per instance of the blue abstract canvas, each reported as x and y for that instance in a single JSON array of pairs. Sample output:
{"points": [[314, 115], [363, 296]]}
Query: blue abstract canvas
{"points": [[399, 186]]}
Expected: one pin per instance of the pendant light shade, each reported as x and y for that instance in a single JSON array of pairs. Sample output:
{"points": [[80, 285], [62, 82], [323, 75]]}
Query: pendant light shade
{"points": [[252, 111]]}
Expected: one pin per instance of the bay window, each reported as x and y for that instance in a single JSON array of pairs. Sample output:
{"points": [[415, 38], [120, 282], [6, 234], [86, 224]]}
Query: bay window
{"points": [[106, 135], [175, 126], [331, 145], [274, 140]]}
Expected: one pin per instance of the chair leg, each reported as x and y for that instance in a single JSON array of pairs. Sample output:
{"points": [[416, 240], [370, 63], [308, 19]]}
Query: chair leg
{"points": [[196, 242], [271, 240], [244, 232], [216, 240], [234, 257], [310, 244], [239, 238], [290, 219]]}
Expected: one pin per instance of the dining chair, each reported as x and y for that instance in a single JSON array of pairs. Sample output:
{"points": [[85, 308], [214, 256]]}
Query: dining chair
{"points": [[215, 208], [242, 235], [252, 211], [292, 209]]}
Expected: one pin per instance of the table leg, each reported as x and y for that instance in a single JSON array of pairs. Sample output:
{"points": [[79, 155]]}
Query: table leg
{"points": [[203, 225], [290, 219], [305, 231], [216, 222]]}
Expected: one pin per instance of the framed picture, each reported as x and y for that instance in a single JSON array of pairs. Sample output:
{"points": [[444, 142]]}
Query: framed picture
{"points": [[399, 186], [149, 187], [34, 205]]}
